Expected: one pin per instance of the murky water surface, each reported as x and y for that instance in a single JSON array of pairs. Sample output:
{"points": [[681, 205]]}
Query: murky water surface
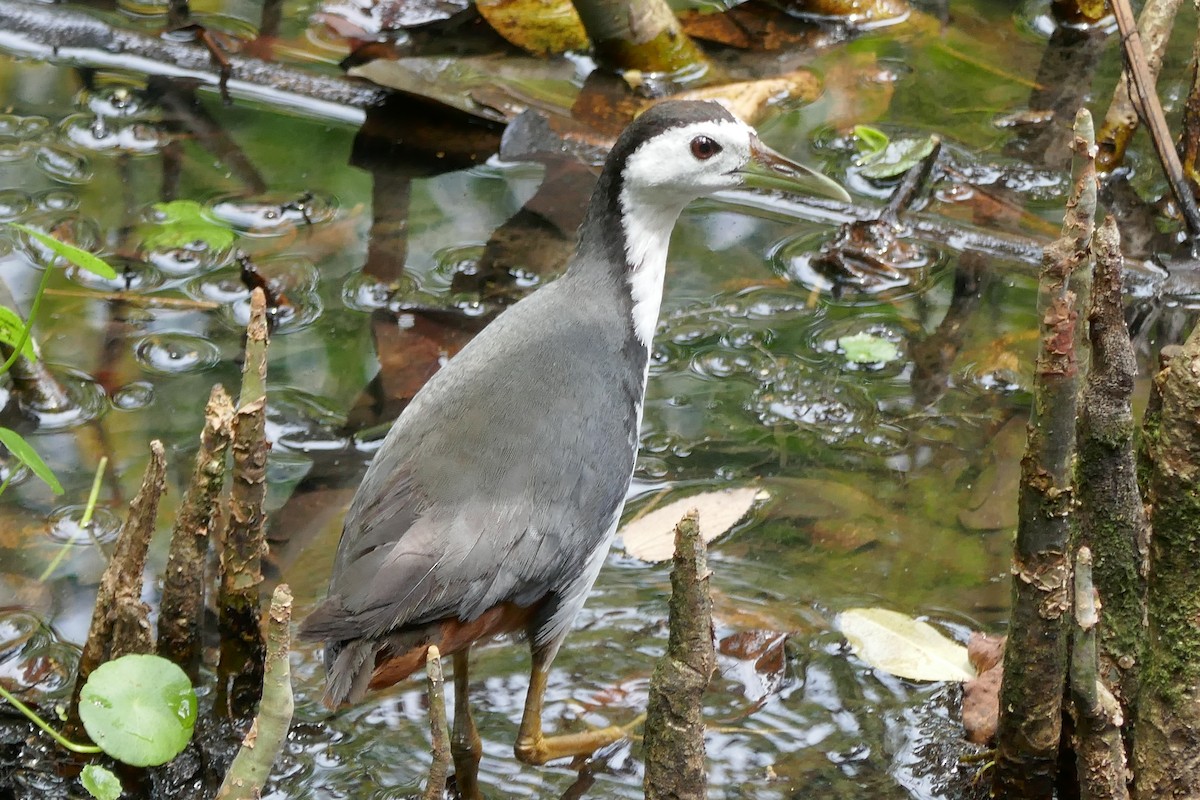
{"points": [[891, 484]]}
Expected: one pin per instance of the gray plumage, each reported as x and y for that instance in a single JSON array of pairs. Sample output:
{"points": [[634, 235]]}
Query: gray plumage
{"points": [[503, 481]]}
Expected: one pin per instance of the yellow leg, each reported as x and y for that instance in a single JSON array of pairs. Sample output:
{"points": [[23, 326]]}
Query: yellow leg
{"points": [[465, 744], [534, 748]]}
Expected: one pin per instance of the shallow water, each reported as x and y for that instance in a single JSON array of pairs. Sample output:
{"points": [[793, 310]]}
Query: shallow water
{"points": [[890, 485]]}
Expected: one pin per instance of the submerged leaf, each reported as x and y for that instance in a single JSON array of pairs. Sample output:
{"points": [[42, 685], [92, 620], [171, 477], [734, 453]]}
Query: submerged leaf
{"points": [[11, 329], [140, 709], [652, 537], [183, 222], [903, 646], [867, 348], [21, 451], [80, 258], [897, 158], [871, 141], [100, 783]]}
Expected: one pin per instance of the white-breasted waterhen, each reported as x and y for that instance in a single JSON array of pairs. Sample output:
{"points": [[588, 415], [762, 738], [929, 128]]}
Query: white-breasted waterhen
{"points": [[493, 501]]}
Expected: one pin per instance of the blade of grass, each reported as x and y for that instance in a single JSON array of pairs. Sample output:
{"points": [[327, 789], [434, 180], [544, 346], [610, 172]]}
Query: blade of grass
{"points": [[85, 749]]}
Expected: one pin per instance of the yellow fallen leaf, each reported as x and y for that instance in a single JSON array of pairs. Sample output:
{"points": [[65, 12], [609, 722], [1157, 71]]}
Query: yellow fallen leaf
{"points": [[652, 537]]}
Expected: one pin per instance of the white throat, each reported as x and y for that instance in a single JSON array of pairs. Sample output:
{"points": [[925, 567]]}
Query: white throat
{"points": [[648, 223]]}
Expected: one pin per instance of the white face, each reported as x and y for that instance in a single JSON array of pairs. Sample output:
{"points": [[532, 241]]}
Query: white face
{"points": [[690, 161]]}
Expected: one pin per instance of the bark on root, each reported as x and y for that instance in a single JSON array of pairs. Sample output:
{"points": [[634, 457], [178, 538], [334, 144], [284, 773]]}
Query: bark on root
{"points": [[261, 746], [1167, 733], [119, 619], [674, 742], [1111, 516], [239, 672], [1035, 660], [1099, 750], [182, 607]]}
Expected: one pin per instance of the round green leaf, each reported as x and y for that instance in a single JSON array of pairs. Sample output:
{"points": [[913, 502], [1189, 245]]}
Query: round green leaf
{"points": [[100, 783], [140, 709]]}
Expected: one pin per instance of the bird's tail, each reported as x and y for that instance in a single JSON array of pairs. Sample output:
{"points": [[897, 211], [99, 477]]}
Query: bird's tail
{"points": [[348, 668]]}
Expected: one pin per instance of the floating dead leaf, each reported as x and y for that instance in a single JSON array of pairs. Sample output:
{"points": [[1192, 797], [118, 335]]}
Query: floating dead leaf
{"points": [[755, 25], [759, 661], [903, 646], [749, 100], [652, 537], [981, 694], [539, 27]]}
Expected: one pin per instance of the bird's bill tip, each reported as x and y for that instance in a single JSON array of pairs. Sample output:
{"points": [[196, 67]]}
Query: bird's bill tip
{"points": [[768, 169]]}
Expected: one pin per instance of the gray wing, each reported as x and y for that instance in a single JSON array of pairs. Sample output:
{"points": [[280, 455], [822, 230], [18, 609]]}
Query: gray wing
{"points": [[496, 484]]}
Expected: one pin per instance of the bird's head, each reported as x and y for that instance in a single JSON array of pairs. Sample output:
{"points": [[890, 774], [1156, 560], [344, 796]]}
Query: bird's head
{"points": [[688, 149]]}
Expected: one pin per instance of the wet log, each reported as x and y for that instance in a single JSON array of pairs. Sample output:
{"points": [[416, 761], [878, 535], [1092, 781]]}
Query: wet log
{"points": [[674, 740], [1035, 660], [56, 33], [1110, 514], [239, 672], [262, 745], [1167, 730], [638, 35], [1099, 749], [1154, 26], [119, 624], [181, 609]]}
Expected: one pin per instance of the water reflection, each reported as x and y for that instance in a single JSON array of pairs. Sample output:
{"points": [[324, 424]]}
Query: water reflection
{"points": [[886, 479]]}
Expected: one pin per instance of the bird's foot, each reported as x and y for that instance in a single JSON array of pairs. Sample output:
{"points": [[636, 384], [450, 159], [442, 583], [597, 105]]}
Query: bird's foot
{"points": [[538, 749]]}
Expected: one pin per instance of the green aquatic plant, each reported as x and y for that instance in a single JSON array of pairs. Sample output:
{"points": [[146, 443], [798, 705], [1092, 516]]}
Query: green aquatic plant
{"points": [[18, 334]]}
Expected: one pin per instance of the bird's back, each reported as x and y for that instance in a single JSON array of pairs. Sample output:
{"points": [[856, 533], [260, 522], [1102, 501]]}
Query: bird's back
{"points": [[503, 476]]}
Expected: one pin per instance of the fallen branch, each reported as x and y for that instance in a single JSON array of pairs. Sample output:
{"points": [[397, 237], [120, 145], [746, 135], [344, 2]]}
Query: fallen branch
{"points": [[62, 35], [1156, 121], [1154, 26]]}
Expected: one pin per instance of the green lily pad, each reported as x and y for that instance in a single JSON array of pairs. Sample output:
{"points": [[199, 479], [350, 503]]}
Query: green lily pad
{"points": [[21, 450], [100, 783], [140, 709], [867, 348], [80, 258]]}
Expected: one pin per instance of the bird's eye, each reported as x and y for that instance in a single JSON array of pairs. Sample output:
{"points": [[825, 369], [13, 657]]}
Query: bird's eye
{"points": [[704, 148]]}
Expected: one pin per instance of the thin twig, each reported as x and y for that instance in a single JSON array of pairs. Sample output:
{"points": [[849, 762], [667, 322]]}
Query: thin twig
{"points": [[139, 300]]}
